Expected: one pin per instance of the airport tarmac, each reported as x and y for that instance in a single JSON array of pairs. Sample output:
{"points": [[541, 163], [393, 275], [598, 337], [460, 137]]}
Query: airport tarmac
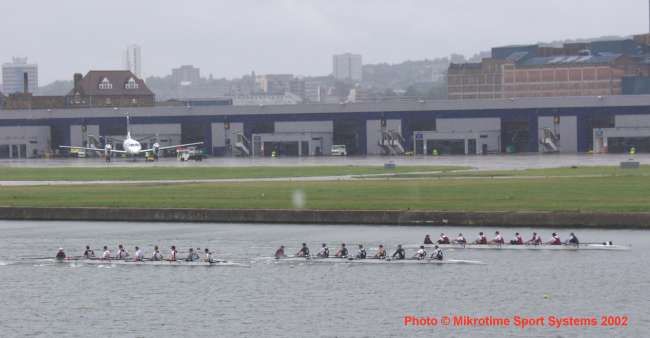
{"points": [[487, 162]]}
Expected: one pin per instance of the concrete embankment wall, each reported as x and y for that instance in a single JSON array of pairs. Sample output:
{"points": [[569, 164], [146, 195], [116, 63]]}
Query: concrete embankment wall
{"points": [[368, 217]]}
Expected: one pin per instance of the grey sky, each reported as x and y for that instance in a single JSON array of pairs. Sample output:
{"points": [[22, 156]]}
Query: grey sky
{"points": [[230, 38]]}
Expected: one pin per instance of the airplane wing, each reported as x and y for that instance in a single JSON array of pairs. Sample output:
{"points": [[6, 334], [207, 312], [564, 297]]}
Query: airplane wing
{"points": [[93, 149], [172, 147]]}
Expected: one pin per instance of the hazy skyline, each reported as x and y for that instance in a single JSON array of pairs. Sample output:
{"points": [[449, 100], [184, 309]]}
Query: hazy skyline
{"points": [[232, 38]]}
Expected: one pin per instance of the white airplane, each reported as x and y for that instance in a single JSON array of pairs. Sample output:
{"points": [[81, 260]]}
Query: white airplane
{"points": [[131, 146]]}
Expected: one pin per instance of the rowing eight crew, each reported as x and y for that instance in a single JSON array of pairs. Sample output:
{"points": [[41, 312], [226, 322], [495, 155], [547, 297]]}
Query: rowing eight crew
{"points": [[343, 252], [498, 239], [123, 254]]}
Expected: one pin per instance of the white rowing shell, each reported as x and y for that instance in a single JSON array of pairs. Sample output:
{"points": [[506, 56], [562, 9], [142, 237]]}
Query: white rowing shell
{"points": [[152, 263], [523, 247], [367, 261]]}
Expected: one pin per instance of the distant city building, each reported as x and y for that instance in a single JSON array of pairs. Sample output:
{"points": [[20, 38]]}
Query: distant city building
{"points": [[274, 84], [317, 88], [13, 76], [575, 69], [109, 88], [347, 67], [266, 100], [133, 60], [185, 75]]}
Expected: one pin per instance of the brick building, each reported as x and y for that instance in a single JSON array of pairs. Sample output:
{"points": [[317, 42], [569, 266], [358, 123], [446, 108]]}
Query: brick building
{"points": [[575, 69], [476, 80], [109, 88]]}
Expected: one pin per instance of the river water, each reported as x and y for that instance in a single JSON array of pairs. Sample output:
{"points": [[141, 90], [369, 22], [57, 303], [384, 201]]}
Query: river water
{"points": [[309, 300]]}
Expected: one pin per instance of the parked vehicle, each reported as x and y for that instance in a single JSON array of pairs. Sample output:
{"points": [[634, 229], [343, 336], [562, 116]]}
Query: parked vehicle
{"points": [[339, 150]]}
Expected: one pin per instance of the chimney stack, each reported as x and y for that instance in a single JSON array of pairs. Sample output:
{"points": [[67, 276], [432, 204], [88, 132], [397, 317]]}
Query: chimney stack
{"points": [[77, 80], [25, 83]]}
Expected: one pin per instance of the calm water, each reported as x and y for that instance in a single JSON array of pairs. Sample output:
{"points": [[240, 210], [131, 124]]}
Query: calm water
{"points": [[303, 300]]}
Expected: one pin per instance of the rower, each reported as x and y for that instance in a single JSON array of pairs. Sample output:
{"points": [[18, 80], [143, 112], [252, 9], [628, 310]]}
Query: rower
{"points": [[121, 252], [437, 253], [304, 251], [518, 240], [573, 239], [192, 256], [460, 239], [421, 253], [498, 239], [208, 256], [89, 253], [536, 240], [107, 253], [443, 239], [399, 253], [481, 238], [139, 255], [362, 252], [342, 252], [381, 252], [60, 255], [324, 251], [279, 253], [427, 240], [555, 240], [157, 256], [172, 253]]}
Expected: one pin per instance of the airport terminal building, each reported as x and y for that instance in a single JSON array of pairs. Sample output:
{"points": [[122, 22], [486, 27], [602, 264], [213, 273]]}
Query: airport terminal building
{"points": [[600, 124]]}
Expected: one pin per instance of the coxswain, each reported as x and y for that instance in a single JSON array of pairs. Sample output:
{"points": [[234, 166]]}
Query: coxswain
{"points": [[460, 239], [437, 253], [381, 252], [362, 252], [555, 240], [498, 239], [443, 239], [481, 239], [399, 253], [172, 253], [60, 255], [279, 253], [536, 240], [421, 253], [89, 253], [121, 252], [427, 240], [573, 239], [192, 256], [107, 253], [208, 256], [304, 251], [518, 240], [324, 252], [139, 255], [342, 251], [157, 256]]}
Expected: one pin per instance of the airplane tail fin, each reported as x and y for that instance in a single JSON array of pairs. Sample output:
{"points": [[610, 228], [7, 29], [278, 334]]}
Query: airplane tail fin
{"points": [[128, 127]]}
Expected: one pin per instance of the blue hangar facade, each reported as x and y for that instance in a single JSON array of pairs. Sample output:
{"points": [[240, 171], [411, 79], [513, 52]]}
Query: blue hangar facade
{"points": [[613, 124]]}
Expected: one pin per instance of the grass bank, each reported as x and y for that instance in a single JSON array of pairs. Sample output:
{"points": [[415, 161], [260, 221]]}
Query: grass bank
{"points": [[622, 194], [551, 172], [189, 173]]}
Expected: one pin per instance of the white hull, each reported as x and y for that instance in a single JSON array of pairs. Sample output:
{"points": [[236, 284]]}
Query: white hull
{"points": [[365, 261], [152, 263], [524, 247]]}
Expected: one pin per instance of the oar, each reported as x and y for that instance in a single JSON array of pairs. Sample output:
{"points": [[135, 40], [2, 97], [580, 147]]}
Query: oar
{"points": [[35, 258]]}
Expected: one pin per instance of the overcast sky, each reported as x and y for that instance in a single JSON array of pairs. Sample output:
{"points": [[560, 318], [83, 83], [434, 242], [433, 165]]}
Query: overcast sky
{"points": [[231, 38]]}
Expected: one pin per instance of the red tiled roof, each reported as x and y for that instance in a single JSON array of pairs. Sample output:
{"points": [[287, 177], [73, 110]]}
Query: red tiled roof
{"points": [[89, 84]]}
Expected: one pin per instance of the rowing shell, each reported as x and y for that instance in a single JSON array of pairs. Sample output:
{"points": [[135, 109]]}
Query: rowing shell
{"points": [[333, 260], [148, 262], [591, 246]]}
